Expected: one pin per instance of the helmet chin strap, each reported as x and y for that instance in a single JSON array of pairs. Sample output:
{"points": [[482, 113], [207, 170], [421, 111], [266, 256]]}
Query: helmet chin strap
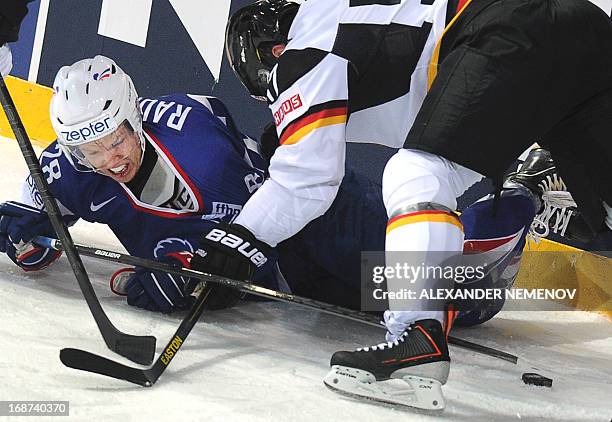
{"points": [[143, 145]]}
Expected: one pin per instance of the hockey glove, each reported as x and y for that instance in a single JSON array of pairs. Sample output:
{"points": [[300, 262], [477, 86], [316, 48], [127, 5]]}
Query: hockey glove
{"points": [[158, 291], [229, 250], [19, 223]]}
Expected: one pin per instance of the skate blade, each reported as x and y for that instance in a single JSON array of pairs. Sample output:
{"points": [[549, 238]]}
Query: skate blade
{"points": [[412, 391]]}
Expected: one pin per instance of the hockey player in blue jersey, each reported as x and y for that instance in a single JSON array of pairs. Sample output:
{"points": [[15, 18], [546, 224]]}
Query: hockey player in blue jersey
{"points": [[162, 171], [157, 178]]}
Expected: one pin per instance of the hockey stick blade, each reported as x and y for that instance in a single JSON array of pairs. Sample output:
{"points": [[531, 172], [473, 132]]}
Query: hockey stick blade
{"points": [[86, 361], [140, 349]]}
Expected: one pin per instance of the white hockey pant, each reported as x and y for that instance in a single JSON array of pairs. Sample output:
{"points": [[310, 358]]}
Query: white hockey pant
{"points": [[420, 193]]}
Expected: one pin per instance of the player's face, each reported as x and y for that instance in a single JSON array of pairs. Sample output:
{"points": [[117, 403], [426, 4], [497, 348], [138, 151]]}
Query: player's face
{"points": [[117, 155]]}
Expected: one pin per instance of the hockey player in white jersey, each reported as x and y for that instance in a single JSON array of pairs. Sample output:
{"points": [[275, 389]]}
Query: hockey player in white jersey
{"points": [[462, 87]]}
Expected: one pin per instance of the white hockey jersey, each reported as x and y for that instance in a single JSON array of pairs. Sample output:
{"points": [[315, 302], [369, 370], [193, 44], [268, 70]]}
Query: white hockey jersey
{"points": [[353, 70]]}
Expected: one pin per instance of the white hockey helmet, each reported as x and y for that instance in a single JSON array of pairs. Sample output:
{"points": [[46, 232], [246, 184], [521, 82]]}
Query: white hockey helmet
{"points": [[91, 99]]}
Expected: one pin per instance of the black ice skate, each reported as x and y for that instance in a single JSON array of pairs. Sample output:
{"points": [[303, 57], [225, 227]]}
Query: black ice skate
{"points": [[558, 212], [409, 371], [538, 173]]}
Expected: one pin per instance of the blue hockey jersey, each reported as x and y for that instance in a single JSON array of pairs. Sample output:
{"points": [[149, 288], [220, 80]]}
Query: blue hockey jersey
{"points": [[202, 171]]}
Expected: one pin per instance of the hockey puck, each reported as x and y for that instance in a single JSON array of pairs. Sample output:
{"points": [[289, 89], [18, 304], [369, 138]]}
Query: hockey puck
{"points": [[531, 378]]}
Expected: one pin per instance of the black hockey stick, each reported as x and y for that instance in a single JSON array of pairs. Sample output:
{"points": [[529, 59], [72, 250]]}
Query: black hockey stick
{"points": [[86, 361], [140, 349], [327, 308]]}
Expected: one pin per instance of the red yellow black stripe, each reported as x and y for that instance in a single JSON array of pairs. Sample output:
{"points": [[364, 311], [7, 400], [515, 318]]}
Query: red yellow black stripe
{"points": [[321, 115], [432, 216]]}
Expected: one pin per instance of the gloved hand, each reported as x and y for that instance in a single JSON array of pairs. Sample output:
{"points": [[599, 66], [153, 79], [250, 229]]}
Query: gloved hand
{"points": [[19, 223], [229, 250], [156, 290], [219, 297], [232, 251], [6, 60]]}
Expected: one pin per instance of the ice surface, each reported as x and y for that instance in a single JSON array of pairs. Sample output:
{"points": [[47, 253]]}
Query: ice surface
{"points": [[265, 361]]}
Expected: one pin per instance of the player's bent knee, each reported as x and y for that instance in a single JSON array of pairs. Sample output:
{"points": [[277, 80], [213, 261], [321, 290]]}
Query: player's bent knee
{"points": [[413, 177]]}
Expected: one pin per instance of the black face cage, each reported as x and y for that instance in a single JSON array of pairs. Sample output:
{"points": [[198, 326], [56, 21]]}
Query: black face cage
{"points": [[250, 35]]}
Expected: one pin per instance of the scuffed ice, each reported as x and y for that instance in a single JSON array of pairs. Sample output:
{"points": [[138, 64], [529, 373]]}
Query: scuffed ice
{"points": [[265, 361]]}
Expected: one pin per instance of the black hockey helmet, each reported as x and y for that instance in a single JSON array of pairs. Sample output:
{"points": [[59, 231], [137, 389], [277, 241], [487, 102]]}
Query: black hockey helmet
{"points": [[249, 37]]}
